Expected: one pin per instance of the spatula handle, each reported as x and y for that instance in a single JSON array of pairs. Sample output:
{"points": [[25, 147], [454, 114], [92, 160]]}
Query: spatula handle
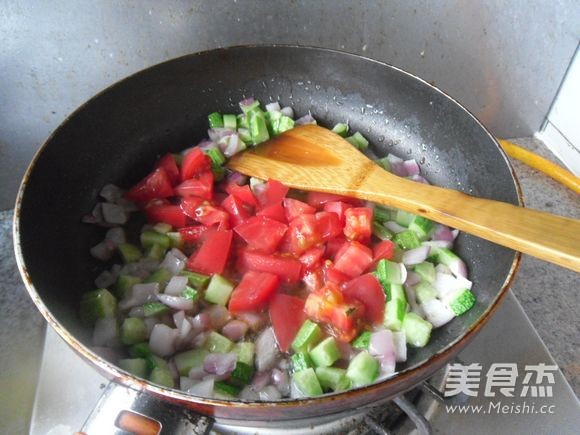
{"points": [[552, 238]]}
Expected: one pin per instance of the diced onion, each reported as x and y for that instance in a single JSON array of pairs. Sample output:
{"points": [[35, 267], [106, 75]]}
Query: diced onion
{"points": [[419, 179], [412, 278], [387, 364], [137, 312], [178, 318], [237, 178], [173, 264], [281, 381], [260, 380], [114, 214], [235, 329], [288, 111], [203, 388], [400, 346], [106, 332], [103, 251], [399, 169], [176, 302], [216, 134], [412, 167], [162, 340], [185, 383], [437, 312], [306, 119], [116, 235], [111, 193], [415, 256], [273, 107], [220, 363], [248, 393], [105, 279], [218, 315], [394, 227], [267, 353], [394, 159], [269, 393], [381, 343], [176, 285], [140, 293], [201, 322], [442, 232], [254, 320]]}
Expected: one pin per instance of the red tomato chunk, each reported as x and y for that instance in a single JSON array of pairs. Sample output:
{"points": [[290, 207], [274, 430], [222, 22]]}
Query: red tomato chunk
{"points": [[253, 292], [261, 234], [287, 316], [213, 254]]}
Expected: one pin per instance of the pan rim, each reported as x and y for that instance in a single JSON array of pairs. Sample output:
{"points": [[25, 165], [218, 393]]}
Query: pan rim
{"points": [[422, 369]]}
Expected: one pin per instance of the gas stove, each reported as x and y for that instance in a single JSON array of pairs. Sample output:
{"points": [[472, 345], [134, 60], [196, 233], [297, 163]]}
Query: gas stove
{"points": [[72, 396]]}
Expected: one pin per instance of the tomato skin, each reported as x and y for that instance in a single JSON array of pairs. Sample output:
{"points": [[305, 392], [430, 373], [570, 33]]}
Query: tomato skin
{"points": [[303, 234], [312, 258], [287, 268], [156, 185], [253, 292], [319, 199], [194, 162], [261, 234], [238, 210], [213, 254], [328, 225], [243, 193], [334, 245], [295, 208], [327, 305], [367, 290], [274, 211], [166, 213], [337, 207], [205, 213], [353, 259], [200, 186], [192, 234], [358, 223], [333, 275], [287, 316], [274, 193], [384, 249], [169, 165]]}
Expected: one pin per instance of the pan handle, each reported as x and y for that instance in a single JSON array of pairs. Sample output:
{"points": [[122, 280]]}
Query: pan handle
{"points": [[121, 410]]}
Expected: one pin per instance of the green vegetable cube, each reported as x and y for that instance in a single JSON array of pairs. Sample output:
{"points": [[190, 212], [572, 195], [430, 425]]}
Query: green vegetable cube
{"points": [[333, 378], [152, 309], [307, 337], [242, 374], [124, 285], [407, 240], [196, 280], [152, 238], [388, 272], [133, 330], [97, 304], [140, 350], [341, 129], [358, 141], [176, 241], [135, 366], [462, 302], [161, 377], [307, 382], [422, 227], [216, 156], [325, 353], [160, 276], [245, 351], [219, 290], [426, 270], [301, 361], [215, 120], [425, 292], [230, 121], [394, 314], [217, 343], [381, 232], [417, 331], [362, 341], [363, 369], [381, 214], [385, 164], [156, 252], [257, 126], [404, 218], [223, 390], [185, 361], [190, 293], [129, 253]]}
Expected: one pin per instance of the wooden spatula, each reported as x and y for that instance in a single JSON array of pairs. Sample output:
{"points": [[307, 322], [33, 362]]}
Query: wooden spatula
{"points": [[314, 158]]}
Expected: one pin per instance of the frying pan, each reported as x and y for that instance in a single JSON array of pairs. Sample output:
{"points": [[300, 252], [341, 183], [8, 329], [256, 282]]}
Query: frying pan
{"points": [[117, 136]]}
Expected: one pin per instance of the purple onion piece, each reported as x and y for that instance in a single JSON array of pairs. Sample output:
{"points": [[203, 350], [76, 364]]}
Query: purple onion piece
{"points": [[381, 343], [185, 383], [201, 322], [412, 167], [200, 339], [255, 321], [394, 227], [116, 235], [260, 380], [103, 251], [176, 285], [203, 388], [235, 330], [287, 111], [218, 315], [281, 380], [413, 278], [269, 393], [267, 353], [178, 318], [162, 340], [415, 256], [176, 302], [173, 264], [105, 279], [419, 179], [249, 394], [442, 232], [197, 373], [220, 363], [238, 178], [394, 159], [306, 119], [399, 169], [400, 346], [388, 364]]}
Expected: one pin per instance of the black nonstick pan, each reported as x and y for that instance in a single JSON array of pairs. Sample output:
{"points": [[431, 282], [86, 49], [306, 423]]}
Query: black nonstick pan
{"points": [[117, 135]]}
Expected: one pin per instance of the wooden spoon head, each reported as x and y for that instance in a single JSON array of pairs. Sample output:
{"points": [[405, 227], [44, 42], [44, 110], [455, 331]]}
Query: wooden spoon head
{"points": [[307, 157]]}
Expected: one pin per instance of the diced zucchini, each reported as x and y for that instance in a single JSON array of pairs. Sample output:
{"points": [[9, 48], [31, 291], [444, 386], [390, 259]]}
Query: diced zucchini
{"points": [[426, 270], [307, 337], [407, 240], [176, 241], [245, 351], [253, 106], [162, 227], [425, 292], [325, 353], [301, 361], [404, 218], [219, 173], [215, 120], [97, 304], [422, 227], [223, 390], [156, 252], [395, 312], [124, 285], [462, 302], [381, 214], [129, 253], [396, 291], [358, 141], [341, 129], [153, 361], [381, 232], [242, 374], [133, 330], [363, 369], [140, 350], [152, 238], [417, 331], [190, 293], [283, 124], [219, 290], [257, 126], [332, 378], [216, 156], [217, 343], [160, 276], [135, 366], [152, 309], [245, 135], [230, 121], [242, 122], [362, 341], [389, 272], [185, 361], [196, 280], [307, 382], [385, 163], [161, 377]]}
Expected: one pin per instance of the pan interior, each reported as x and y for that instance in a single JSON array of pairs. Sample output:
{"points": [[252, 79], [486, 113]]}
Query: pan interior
{"points": [[117, 136]]}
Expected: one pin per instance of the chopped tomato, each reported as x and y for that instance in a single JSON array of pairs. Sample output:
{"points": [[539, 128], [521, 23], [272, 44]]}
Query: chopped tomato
{"points": [[274, 211], [287, 316], [156, 185], [213, 254], [303, 234], [201, 186], [328, 225], [353, 259], [194, 162], [384, 249], [333, 246], [333, 275], [338, 207], [367, 290], [243, 193], [192, 234], [287, 268], [312, 258], [273, 193], [238, 210], [169, 165], [327, 305], [318, 199], [295, 208], [313, 279], [205, 213], [358, 223], [261, 234], [253, 292], [166, 213]]}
